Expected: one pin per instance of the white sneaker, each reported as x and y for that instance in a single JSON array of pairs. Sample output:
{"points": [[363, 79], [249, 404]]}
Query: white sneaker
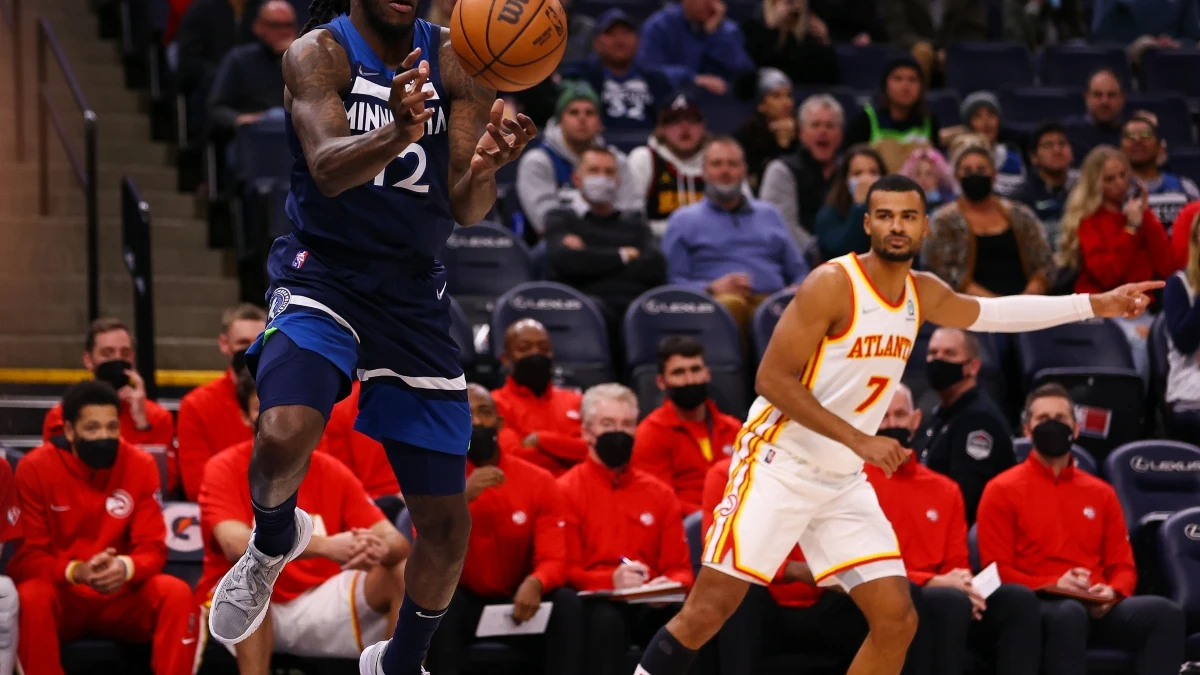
{"points": [[369, 662], [241, 599]]}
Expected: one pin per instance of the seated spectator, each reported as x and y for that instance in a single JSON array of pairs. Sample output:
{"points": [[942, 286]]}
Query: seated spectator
{"points": [[967, 438], [1111, 238], [363, 455], [1101, 125], [839, 224], [980, 112], [735, 248], [1045, 189], [544, 172], [520, 557], [108, 355], [899, 120], [207, 31], [344, 590], [851, 21], [693, 42], [926, 510], [1167, 193], [95, 544], [10, 530], [789, 36], [248, 85], [668, 172], [1146, 24], [929, 169], [984, 244], [798, 183], [1182, 397], [771, 130], [926, 27], [1049, 526], [210, 419], [608, 254], [682, 438], [543, 416], [1042, 24], [623, 530], [629, 91], [1181, 234]]}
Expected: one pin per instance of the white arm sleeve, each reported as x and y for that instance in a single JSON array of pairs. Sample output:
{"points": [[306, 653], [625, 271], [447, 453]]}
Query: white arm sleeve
{"points": [[1020, 313]]}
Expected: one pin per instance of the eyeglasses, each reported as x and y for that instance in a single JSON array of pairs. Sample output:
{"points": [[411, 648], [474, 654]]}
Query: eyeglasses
{"points": [[1143, 135]]}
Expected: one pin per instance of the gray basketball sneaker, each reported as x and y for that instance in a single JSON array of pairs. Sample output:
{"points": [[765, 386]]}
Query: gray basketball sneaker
{"points": [[241, 599], [369, 661]]}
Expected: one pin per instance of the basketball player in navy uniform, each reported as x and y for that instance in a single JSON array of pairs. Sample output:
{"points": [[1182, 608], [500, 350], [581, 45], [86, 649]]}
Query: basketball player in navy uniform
{"points": [[394, 143]]}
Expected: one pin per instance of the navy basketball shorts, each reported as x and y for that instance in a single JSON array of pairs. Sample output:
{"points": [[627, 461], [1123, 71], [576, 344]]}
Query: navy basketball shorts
{"points": [[388, 325]]}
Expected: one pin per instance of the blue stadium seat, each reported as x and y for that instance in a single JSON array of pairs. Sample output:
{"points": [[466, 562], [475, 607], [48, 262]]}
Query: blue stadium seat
{"points": [[1158, 348], [1185, 162], [482, 262], [765, 318], [1072, 65], [1171, 70], [693, 528], [624, 140], [1092, 360], [944, 105], [464, 337], [992, 66], [723, 114], [577, 329], [263, 154], [1179, 551], [862, 67], [1083, 459], [1026, 107], [850, 100], [676, 310], [1174, 118], [973, 548]]}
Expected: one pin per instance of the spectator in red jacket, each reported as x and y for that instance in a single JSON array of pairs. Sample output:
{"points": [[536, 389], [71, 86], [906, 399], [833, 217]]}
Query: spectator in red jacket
{"points": [[517, 554], [364, 455], [108, 355], [680, 441], [341, 594], [1050, 527], [545, 417], [623, 530], [95, 544], [209, 417], [927, 512]]}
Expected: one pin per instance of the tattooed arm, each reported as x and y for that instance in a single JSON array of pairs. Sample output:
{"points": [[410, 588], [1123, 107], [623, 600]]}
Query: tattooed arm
{"points": [[477, 146], [315, 72]]}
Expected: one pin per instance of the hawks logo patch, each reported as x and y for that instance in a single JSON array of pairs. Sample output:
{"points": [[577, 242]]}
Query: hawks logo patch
{"points": [[519, 517], [119, 504]]}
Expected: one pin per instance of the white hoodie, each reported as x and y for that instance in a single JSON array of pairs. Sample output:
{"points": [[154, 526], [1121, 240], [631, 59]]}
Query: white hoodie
{"points": [[688, 172]]}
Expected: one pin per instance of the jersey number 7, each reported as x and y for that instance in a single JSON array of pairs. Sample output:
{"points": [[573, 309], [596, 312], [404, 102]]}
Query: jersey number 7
{"points": [[877, 385], [412, 183]]}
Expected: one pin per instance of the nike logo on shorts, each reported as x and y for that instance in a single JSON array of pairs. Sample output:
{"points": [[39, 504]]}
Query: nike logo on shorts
{"points": [[443, 290], [435, 616]]}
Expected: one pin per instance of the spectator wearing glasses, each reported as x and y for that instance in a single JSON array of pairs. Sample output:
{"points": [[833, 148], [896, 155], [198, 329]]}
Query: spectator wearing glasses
{"points": [[1045, 189], [1167, 193], [839, 224]]}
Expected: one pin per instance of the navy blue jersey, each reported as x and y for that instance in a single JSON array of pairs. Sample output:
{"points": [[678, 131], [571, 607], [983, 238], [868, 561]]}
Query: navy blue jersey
{"points": [[405, 211]]}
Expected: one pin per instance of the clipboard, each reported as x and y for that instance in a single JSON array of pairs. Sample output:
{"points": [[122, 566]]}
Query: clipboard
{"points": [[666, 591]]}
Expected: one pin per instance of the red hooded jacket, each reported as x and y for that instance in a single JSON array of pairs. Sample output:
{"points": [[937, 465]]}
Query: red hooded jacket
{"points": [[553, 416], [210, 420], [680, 452]]}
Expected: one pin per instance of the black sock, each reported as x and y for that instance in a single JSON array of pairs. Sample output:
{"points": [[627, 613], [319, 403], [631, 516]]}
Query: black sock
{"points": [[414, 630], [665, 656], [275, 529]]}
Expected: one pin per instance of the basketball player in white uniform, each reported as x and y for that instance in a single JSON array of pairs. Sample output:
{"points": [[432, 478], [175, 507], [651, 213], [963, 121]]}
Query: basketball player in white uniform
{"points": [[825, 382]]}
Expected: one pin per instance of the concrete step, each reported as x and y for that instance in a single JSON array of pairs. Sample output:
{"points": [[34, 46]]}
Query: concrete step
{"points": [[147, 178], [179, 232], [62, 351], [67, 200], [48, 288], [110, 149], [170, 320], [39, 253]]}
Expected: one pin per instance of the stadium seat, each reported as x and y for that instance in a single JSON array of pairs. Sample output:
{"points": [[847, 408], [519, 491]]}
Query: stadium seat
{"points": [[1174, 118], [1185, 162], [1179, 551], [862, 67], [944, 104], [1072, 65], [693, 526], [765, 318], [1026, 107], [1158, 350], [992, 66], [482, 262], [263, 154], [1092, 360], [723, 114], [624, 140], [1171, 70], [105, 656], [676, 310], [577, 329], [464, 337], [973, 548], [1083, 460]]}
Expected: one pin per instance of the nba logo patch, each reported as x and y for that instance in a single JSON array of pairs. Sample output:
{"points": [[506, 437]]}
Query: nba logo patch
{"points": [[298, 261], [770, 457]]}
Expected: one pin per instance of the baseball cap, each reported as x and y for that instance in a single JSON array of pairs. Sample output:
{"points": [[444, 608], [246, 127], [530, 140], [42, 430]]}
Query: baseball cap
{"points": [[678, 108], [613, 17]]}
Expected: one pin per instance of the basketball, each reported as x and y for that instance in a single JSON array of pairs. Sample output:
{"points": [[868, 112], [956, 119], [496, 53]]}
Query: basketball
{"points": [[509, 45]]}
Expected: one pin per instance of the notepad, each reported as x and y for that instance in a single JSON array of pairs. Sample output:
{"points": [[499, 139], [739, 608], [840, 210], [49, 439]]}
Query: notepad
{"points": [[987, 581], [663, 591], [497, 620]]}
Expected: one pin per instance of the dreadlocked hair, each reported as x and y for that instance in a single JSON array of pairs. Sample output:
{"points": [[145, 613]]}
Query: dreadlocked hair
{"points": [[321, 12]]}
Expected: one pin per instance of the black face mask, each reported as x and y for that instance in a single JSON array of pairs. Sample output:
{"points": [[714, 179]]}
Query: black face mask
{"points": [[113, 372], [534, 372], [238, 361], [976, 187], [98, 454], [483, 445], [899, 433], [943, 374], [614, 448], [689, 396], [1052, 438]]}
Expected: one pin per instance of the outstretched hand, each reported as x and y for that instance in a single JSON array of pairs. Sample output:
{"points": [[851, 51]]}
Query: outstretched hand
{"points": [[495, 148], [408, 98], [1127, 301]]}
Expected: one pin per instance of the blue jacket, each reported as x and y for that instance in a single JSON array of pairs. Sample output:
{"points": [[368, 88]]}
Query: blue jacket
{"points": [[704, 242], [683, 50]]}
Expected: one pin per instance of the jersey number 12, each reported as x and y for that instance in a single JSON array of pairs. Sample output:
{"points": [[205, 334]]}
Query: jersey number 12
{"points": [[413, 182]]}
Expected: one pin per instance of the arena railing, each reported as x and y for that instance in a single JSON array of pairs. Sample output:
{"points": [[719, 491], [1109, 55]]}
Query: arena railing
{"points": [[135, 248], [85, 169], [10, 13]]}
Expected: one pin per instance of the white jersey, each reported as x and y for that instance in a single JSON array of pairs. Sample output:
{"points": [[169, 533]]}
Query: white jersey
{"points": [[853, 375]]}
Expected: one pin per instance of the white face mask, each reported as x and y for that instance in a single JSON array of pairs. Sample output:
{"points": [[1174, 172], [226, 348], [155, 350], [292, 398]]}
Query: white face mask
{"points": [[599, 190], [723, 193]]}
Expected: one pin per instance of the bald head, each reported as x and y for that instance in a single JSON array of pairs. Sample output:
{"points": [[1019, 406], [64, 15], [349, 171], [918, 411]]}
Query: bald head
{"points": [[275, 25], [524, 338], [483, 406]]}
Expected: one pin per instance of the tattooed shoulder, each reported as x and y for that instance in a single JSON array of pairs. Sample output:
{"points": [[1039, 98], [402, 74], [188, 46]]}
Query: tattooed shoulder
{"points": [[314, 65], [460, 85]]}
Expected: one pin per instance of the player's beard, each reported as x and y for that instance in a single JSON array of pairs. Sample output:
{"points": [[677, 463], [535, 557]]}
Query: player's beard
{"points": [[389, 31], [880, 249]]}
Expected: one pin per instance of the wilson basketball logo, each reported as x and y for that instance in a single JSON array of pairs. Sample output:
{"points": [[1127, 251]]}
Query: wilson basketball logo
{"points": [[119, 504], [513, 11]]}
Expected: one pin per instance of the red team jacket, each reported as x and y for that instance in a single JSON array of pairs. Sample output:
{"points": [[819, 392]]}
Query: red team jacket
{"points": [[553, 416], [926, 511], [680, 453], [161, 433], [613, 515], [1110, 256], [517, 530], [1036, 526], [330, 494], [70, 511], [210, 420], [364, 456]]}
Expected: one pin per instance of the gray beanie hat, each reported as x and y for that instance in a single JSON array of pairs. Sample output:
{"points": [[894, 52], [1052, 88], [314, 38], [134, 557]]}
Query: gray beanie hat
{"points": [[977, 100], [770, 79]]}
